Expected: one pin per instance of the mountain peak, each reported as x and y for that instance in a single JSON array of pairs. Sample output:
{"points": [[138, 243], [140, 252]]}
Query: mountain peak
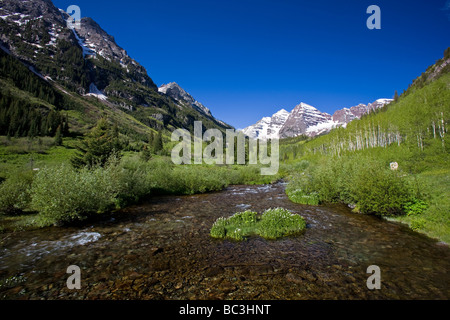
{"points": [[171, 86], [281, 112], [183, 98], [267, 127], [305, 119]]}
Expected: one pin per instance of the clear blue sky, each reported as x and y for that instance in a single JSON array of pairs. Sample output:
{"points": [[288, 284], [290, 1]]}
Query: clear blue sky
{"points": [[245, 59]]}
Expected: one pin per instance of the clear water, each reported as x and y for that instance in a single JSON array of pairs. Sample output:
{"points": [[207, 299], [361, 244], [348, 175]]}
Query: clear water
{"points": [[162, 250]]}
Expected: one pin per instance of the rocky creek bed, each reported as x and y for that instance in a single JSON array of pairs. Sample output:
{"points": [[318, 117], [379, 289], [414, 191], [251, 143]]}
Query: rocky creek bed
{"points": [[162, 250]]}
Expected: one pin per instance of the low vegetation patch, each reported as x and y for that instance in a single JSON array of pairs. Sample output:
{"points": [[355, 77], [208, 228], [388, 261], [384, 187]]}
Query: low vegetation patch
{"points": [[368, 184], [271, 224], [299, 196], [61, 193]]}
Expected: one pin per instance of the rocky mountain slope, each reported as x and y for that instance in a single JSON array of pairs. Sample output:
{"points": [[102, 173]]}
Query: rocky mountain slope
{"points": [[91, 71], [307, 120], [267, 127]]}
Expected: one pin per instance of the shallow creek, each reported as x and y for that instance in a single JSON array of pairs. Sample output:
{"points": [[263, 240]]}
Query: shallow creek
{"points": [[162, 250]]}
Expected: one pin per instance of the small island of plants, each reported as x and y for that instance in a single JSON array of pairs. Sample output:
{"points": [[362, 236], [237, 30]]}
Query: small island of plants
{"points": [[271, 224]]}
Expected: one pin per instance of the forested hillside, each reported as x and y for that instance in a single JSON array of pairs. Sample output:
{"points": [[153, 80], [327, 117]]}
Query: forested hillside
{"points": [[352, 165]]}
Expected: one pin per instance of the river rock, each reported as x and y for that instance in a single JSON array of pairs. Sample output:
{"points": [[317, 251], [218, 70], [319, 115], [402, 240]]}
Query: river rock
{"points": [[290, 277], [154, 251], [213, 271], [261, 270], [227, 287]]}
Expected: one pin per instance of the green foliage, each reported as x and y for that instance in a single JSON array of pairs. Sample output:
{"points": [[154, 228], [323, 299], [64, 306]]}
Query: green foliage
{"points": [[21, 118], [243, 218], [11, 68], [279, 222], [380, 191], [272, 224], [418, 224], [145, 155], [218, 230], [298, 196], [63, 194], [367, 183], [58, 136], [415, 207], [158, 145], [97, 146], [15, 193]]}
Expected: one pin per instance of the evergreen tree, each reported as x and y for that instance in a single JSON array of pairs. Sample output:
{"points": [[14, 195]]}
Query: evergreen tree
{"points": [[97, 147], [396, 96], [151, 139], [158, 143], [66, 127], [146, 154], [58, 136]]}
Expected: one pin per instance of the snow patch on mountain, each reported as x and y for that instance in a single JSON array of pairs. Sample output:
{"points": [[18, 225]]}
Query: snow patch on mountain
{"points": [[95, 92], [267, 127], [86, 50]]}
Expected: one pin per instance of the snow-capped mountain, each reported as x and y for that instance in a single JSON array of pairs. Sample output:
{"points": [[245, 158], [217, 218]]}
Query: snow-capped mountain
{"points": [[267, 127], [304, 119]]}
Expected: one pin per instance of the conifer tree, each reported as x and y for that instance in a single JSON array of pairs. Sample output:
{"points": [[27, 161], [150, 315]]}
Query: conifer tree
{"points": [[97, 147], [396, 96], [58, 136], [158, 143]]}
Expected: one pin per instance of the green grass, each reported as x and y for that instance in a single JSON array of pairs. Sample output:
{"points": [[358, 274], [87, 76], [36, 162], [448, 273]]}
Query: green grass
{"points": [[299, 196], [435, 219], [271, 224], [24, 154]]}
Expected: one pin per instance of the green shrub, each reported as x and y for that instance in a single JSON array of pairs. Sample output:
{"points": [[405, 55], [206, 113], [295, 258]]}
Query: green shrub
{"points": [[15, 193], [133, 180], [272, 224], [279, 222], [236, 227], [380, 191], [367, 183], [243, 218], [415, 207], [63, 194], [218, 230]]}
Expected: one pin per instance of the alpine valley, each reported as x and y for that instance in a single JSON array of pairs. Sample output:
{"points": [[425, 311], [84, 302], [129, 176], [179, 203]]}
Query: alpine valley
{"points": [[92, 199]]}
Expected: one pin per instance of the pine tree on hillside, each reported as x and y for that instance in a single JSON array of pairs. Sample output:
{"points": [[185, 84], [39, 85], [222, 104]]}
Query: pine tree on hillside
{"points": [[158, 143], [98, 146], [58, 136], [151, 139], [396, 96]]}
